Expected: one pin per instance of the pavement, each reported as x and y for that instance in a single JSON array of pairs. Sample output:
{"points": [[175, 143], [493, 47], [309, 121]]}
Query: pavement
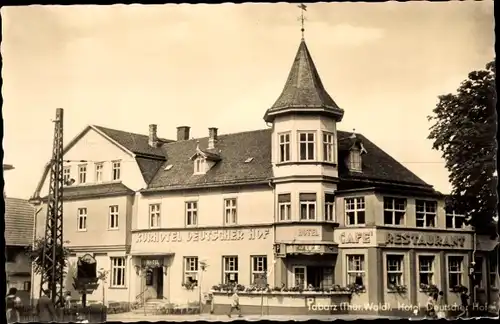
{"points": [[131, 317]]}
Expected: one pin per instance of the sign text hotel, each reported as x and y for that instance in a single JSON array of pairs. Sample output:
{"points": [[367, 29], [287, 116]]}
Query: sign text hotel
{"points": [[202, 236], [422, 240]]}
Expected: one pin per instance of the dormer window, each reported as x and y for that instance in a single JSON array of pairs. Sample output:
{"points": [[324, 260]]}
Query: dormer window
{"points": [[204, 160], [355, 160], [199, 165]]}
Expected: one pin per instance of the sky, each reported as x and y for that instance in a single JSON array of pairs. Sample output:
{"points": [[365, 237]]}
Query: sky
{"points": [[128, 66]]}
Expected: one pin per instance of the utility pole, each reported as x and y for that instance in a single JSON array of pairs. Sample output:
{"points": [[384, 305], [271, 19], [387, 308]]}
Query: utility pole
{"points": [[53, 259]]}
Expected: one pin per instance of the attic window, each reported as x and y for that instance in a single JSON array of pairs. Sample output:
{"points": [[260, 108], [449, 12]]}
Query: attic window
{"points": [[168, 167], [355, 160], [249, 160], [199, 165]]}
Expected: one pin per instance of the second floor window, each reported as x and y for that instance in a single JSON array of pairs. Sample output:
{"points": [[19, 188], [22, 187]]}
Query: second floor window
{"points": [[328, 147], [191, 270], [355, 269], [66, 174], [307, 145], [259, 269], [426, 213], [230, 216], [284, 207], [82, 173], [230, 264], [355, 211], [329, 207], [454, 220], [154, 216], [426, 269], [455, 269], [98, 172], [394, 211], [82, 219], [394, 271], [113, 217], [191, 213], [116, 169], [307, 203], [284, 143]]}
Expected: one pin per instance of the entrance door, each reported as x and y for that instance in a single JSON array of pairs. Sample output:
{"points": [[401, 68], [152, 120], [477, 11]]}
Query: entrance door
{"points": [[159, 282]]}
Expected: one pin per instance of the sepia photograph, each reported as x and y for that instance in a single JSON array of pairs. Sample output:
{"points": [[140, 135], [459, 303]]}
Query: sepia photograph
{"points": [[253, 161]]}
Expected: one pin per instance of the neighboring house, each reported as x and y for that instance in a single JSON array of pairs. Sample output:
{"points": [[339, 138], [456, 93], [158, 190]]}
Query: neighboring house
{"points": [[314, 205], [18, 236]]}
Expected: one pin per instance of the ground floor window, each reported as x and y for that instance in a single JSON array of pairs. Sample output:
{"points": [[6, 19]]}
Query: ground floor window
{"points": [[259, 269], [455, 271], [355, 269], [493, 269], [299, 277], [191, 270], [426, 270], [118, 272], [230, 269], [313, 277], [394, 271]]}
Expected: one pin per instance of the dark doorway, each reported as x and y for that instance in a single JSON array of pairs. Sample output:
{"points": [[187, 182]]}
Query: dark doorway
{"points": [[159, 282]]}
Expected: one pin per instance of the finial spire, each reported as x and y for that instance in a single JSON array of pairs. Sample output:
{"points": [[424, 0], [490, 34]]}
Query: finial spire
{"points": [[302, 7]]}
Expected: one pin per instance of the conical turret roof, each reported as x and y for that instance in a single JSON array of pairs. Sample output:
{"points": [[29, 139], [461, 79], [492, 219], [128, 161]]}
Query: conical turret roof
{"points": [[304, 92]]}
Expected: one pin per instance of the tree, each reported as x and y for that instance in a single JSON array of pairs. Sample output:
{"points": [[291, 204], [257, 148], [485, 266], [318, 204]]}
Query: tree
{"points": [[35, 255], [464, 131]]}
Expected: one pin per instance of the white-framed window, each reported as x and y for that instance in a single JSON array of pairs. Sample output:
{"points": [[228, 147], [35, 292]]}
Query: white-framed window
{"points": [[454, 220], [493, 269], [66, 174], [284, 144], [154, 216], [478, 272], [230, 212], [356, 269], [98, 171], [355, 161], [307, 204], [82, 219], [328, 147], [118, 269], [394, 270], [455, 270], [230, 269], [82, 173], [191, 213], [259, 268], [116, 170], [190, 270], [285, 207], [394, 211], [329, 207], [355, 211], [113, 217], [426, 269], [300, 276], [426, 213], [199, 165], [307, 146]]}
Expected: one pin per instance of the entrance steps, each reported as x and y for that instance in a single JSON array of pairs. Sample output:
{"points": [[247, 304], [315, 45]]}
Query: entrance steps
{"points": [[151, 307]]}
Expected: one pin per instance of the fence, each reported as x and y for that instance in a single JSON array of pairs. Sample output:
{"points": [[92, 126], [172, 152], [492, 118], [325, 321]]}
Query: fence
{"points": [[94, 314]]}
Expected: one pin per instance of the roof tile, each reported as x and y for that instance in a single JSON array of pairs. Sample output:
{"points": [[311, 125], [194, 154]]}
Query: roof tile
{"points": [[19, 222]]}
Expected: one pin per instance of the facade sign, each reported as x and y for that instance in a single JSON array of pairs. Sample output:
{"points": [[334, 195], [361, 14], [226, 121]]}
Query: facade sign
{"points": [[308, 232], [356, 237], [425, 240], [202, 236], [311, 249], [153, 263]]}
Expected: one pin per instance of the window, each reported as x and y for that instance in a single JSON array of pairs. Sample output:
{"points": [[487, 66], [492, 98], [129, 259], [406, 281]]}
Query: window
{"points": [[355, 269], [284, 207], [329, 207], [230, 269], [394, 271], [307, 206], [455, 269], [116, 170], [328, 147], [478, 272], [355, 160], [27, 286], [82, 219], [454, 220], [426, 269], [284, 143], [191, 270], [426, 213], [230, 211], [113, 217], [306, 146], [66, 174], [98, 172], [299, 276], [154, 216], [199, 166], [394, 211], [493, 269], [118, 272], [82, 173], [191, 213], [259, 269], [355, 211]]}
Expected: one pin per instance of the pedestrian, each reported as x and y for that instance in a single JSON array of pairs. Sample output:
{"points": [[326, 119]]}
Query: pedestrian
{"points": [[235, 303], [440, 306], [45, 309], [464, 299], [67, 299], [12, 305], [431, 307]]}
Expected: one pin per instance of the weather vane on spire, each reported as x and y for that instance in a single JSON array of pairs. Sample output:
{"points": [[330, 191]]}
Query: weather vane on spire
{"points": [[303, 7]]}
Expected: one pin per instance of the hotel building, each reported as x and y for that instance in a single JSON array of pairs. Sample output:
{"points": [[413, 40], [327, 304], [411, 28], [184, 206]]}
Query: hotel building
{"points": [[301, 201]]}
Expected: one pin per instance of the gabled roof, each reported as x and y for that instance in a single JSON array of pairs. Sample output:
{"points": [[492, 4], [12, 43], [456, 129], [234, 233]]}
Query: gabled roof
{"points": [[19, 222], [304, 90]]}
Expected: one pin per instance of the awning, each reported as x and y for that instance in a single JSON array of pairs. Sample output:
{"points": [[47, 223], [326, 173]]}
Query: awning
{"points": [[152, 254]]}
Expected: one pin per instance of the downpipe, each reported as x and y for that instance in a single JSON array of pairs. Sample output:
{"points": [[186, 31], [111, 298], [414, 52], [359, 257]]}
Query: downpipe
{"points": [[32, 277]]}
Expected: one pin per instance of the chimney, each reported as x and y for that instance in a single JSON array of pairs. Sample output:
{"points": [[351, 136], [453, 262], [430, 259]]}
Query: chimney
{"points": [[212, 137], [153, 137], [183, 133]]}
